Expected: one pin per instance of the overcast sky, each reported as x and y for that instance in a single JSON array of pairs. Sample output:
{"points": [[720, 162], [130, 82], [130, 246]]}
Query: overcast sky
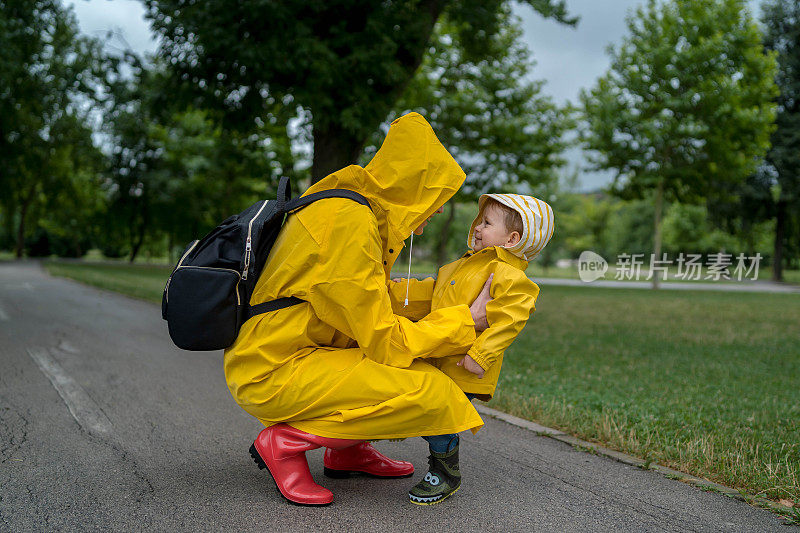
{"points": [[569, 59]]}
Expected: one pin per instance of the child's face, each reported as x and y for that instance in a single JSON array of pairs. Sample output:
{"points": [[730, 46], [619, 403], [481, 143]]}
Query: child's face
{"points": [[491, 230]]}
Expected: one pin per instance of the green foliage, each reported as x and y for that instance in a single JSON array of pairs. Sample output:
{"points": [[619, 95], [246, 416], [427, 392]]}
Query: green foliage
{"points": [[504, 133], [781, 19], [177, 173], [686, 101], [782, 34], [49, 77], [686, 229], [609, 227], [345, 62], [585, 223]]}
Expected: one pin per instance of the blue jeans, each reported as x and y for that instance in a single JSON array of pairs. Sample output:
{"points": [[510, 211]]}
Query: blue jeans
{"points": [[445, 443]]}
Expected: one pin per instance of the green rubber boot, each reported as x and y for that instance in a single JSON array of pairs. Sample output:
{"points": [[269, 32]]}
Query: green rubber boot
{"points": [[442, 479]]}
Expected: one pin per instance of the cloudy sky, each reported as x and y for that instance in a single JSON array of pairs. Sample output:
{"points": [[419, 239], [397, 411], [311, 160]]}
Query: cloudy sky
{"points": [[569, 59]]}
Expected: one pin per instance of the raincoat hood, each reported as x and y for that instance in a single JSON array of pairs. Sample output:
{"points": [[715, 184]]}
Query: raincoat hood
{"points": [[537, 222], [410, 177]]}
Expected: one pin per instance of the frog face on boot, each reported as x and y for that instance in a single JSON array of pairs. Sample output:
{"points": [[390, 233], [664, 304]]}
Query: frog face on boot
{"points": [[442, 480]]}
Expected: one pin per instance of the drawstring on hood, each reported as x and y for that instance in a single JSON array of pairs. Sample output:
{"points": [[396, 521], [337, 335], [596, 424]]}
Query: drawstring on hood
{"points": [[408, 279]]}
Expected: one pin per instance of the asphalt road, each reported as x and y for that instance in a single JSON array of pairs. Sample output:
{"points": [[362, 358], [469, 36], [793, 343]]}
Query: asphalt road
{"points": [[105, 425]]}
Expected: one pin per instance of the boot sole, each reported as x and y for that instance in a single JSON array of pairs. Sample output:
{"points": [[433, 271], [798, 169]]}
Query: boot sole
{"points": [[263, 466], [440, 500], [343, 474]]}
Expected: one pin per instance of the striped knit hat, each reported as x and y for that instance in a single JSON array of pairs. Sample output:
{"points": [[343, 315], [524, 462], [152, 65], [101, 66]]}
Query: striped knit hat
{"points": [[537, 221]]}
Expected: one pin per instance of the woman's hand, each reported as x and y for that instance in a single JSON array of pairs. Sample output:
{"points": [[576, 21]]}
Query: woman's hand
{"points": [[470, 365], [478, 307]]}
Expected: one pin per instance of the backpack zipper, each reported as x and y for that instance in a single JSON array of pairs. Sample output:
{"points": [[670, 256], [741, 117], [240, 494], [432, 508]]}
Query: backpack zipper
{"points": [[238, 298], [166, 289], [248, 245]]}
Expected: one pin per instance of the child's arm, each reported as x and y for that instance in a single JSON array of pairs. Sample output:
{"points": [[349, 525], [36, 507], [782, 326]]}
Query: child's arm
{"points": [[514, 299], [420, 293]]}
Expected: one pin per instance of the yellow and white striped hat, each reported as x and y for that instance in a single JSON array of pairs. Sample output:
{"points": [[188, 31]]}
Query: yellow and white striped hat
{"points": [[537, 221]]}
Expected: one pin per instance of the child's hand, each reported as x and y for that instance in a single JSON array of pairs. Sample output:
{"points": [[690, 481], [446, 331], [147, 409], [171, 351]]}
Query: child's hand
{"points": [[470, 365], [397, 280]]}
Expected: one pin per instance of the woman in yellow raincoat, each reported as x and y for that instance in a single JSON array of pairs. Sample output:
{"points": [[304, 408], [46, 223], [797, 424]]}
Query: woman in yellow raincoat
{"points": [[342, 368]]}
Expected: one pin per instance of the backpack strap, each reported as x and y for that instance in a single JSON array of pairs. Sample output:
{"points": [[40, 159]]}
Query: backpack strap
{"points": [[295, 205], [272, 305], [299, 203]]}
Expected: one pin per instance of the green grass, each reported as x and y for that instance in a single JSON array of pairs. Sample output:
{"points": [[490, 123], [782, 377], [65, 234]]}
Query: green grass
{"points": [[140, 281], [536, 270], [764, 274], [704, 382]]}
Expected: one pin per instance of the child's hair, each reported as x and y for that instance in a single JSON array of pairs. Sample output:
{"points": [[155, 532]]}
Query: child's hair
{"points": [[511, 218]]}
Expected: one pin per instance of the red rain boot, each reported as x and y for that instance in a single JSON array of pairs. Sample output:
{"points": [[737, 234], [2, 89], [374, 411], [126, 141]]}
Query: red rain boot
{"points": [[281, 450], [363, 458]]}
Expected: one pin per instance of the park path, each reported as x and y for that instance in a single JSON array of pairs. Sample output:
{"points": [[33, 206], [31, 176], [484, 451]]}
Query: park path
{"points": [[105, 425], [724, 286]]}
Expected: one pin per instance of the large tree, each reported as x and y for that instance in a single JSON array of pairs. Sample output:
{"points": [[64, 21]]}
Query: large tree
{"points": [[686, 106], [781, 20], [505, 134], [345, 62]]}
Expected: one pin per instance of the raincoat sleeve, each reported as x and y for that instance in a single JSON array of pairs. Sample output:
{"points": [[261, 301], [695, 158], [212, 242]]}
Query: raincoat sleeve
{"points": [[351, 296], [420, 294], [513, 301]]}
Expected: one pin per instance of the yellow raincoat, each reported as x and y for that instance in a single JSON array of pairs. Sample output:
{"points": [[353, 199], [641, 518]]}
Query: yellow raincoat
{"points": [[513, 300], [342, 364], [513, 294]]}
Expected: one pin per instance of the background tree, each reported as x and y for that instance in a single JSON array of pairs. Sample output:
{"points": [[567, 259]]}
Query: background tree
{"points": [[345, 62], [48, 76], [742, 209], [686, 104], [175, 173], [781, 19], [504, 133]]}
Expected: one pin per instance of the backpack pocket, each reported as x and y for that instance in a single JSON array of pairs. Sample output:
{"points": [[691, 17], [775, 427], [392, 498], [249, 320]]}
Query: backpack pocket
{"points": [[202, 306]]}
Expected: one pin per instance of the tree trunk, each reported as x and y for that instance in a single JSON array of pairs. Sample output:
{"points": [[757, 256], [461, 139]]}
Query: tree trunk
{"points": [[137, 244], [780, 228], [547, 258], [334, 149], [137, 233], [444, 234], [26, 203], [21, 231], [8, 217], [657, 229]]}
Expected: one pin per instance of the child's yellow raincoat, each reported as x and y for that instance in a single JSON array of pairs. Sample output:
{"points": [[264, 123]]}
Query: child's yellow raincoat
{"points": [[513, 294], [342, 364]]}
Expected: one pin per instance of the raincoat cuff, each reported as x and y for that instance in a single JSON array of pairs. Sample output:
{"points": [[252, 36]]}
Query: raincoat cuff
{"points": [[479, 358]]}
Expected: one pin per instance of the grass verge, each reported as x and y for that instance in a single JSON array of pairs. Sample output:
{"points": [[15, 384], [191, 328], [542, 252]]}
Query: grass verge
{"points": [[140, 281], [703, 382]]}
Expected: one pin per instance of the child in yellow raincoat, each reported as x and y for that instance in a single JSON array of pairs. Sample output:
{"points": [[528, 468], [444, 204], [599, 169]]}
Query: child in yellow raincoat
{"points": [[509, 231]]}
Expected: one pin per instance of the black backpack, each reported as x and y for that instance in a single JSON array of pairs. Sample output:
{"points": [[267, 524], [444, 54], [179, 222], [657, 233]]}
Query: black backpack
{"points": [[206, 298]]}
